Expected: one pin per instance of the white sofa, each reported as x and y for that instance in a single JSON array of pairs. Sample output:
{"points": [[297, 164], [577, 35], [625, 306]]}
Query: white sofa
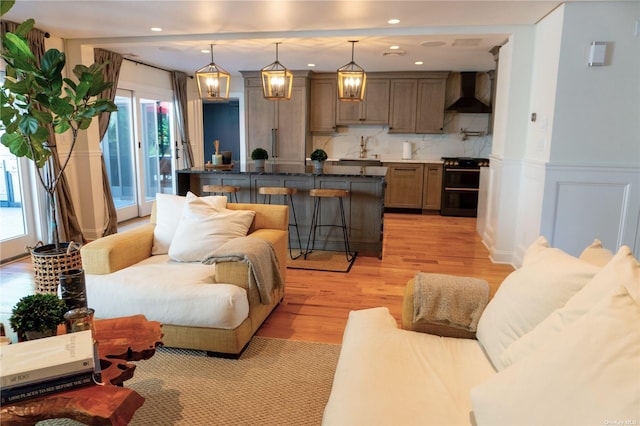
{"points": [[157, 270], [558, 344]]}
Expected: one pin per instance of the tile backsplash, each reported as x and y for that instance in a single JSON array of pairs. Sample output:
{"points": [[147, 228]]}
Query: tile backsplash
{"points": [[345, 143]]}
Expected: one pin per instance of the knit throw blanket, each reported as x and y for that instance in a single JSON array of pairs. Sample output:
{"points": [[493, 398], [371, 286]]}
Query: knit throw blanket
{"points": [[449, 300], [264, 272]]}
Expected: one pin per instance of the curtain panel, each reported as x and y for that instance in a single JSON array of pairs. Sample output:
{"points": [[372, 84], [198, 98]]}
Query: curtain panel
{"points": [[179, 83], [111, 73]]}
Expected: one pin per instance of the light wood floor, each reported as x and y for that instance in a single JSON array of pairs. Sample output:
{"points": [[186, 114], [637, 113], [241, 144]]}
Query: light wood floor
{"points": [[317, 304]]}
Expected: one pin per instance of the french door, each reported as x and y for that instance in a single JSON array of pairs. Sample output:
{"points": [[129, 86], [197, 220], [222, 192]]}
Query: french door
{"points": [[138, 151], [18, 229]]}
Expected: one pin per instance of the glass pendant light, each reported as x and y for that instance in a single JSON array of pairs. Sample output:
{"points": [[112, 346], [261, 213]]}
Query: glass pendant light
{"points": [[351, 80], [213, 81], [277, 81]]}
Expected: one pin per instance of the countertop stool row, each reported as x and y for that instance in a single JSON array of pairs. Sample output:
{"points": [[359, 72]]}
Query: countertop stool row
{"points": [[287, 194]]}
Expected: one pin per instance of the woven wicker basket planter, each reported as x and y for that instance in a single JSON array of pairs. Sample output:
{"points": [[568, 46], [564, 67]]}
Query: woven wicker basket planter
{"points": [[48, 264]]}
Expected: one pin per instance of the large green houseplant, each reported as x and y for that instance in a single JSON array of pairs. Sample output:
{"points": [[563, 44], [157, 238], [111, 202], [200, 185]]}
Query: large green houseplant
{"points": [[35, 97]]}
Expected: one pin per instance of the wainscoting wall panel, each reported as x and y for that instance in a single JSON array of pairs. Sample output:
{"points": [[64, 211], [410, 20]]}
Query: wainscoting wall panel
{"points": [[589, 201]]}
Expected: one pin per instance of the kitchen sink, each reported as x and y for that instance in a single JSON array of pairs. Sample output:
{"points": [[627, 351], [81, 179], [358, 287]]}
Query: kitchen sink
{"points": [[358, 162]]}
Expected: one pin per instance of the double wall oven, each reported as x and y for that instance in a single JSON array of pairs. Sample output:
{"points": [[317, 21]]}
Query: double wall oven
{"points": [[460, 185]]}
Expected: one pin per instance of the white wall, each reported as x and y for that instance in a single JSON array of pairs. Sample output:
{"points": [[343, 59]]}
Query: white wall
{"points": [[509, 142], [598, 108], [592, 184], [579, 173]]}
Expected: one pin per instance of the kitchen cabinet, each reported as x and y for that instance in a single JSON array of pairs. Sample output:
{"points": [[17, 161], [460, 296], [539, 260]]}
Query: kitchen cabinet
{"points": [[402, 105], [280, 127], [417, 102], [374, 108], [404, 185], [324, 94], [432, 187], [430, 105]]}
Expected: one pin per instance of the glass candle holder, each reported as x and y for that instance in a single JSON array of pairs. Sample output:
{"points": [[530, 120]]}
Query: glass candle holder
{"points": [[79, 319]]}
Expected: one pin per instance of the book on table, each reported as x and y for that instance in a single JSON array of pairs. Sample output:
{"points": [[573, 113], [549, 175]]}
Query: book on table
{"points": [[46, 359], [21, 393]]}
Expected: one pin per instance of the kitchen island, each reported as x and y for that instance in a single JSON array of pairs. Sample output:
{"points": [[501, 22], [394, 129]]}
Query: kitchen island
{"points": [[364, 207]]}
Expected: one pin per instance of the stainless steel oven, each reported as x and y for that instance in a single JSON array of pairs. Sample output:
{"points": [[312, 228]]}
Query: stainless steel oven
{"points": [[460, 185]]}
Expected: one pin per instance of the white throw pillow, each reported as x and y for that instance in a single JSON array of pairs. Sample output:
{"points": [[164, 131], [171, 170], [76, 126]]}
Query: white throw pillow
{"points": [[596, 254], [623, 269], [169, 209], [538, 247], [203, 228], [529, 295], [588, 374]]}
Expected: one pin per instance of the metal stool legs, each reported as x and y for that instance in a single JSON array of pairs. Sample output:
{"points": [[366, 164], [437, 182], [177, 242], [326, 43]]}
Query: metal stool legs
{"points": [[287, 193], [314, 225]]}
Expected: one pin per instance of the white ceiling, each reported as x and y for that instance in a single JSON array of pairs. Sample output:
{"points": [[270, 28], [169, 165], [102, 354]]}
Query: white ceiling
{"points": [[310, 31]]}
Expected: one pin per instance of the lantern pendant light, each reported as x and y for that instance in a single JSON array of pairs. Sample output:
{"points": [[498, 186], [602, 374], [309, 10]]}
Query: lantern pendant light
{"points": [[277, 81], [351, 80], [213, 81]]}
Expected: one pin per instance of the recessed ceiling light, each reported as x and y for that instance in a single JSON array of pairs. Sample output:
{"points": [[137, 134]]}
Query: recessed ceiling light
{"points": [[157, 29], [432, 43], [394, 47], [311, 65], [419, 63], [205, 51], [393, 21]]}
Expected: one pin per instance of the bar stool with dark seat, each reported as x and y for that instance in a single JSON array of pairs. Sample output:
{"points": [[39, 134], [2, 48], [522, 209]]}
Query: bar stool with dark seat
{"points": [[287, 194], [319, 194], [222, 190]]}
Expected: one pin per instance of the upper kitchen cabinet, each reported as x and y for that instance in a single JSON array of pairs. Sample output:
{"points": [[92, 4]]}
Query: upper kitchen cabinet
{"points": [[402, 108], [374, 108], [280, 127], [417, 102], [324, 93]]}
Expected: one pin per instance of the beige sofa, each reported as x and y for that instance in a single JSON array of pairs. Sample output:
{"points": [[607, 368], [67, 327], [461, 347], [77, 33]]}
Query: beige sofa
{"points": [[106, 260], [559, 344]]}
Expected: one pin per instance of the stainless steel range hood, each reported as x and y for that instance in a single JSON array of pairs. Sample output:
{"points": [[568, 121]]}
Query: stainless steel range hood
{"points": [[468, 103]]}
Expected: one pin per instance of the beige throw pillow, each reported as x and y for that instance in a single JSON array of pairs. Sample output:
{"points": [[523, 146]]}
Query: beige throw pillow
{"points": [[596, 254], [546, 281], [203, 228], [169, 209], [585, 375], [623, 269]]}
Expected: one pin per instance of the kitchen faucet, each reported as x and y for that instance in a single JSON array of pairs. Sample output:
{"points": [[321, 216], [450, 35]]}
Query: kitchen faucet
{"points": [[363, 147]]}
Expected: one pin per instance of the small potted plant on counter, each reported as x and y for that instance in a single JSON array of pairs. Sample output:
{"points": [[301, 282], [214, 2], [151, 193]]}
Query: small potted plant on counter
{"points": [[319, 156], [37, 315], [259, 155]]}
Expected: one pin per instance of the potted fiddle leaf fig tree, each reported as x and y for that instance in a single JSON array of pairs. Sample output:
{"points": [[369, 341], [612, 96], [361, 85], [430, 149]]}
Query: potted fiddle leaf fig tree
{"points": [[35, 97]]}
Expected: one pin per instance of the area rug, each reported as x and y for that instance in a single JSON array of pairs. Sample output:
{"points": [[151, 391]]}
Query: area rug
{"points": [[319, 260], [275, 382]]}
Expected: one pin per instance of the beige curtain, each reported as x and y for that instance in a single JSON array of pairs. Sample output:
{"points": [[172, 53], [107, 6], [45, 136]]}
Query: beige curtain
{"points": [[179, 83], [68, 225], [111, 73]]}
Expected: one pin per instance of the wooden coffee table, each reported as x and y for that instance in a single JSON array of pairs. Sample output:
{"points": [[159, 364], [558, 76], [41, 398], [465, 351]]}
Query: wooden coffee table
{"points": [[119, 340]]}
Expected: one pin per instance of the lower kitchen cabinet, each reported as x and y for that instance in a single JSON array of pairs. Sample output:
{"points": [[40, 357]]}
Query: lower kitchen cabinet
{"points": [[404, 185], [432, 187], [413, 186]]}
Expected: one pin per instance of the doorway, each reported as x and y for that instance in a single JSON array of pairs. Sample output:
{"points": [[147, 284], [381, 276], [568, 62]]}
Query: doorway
{"points": [[138, 151], [221, 121]]}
